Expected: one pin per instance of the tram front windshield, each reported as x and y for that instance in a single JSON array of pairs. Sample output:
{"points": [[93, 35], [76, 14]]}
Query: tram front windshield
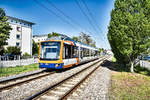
{"points": [[50, 50]]}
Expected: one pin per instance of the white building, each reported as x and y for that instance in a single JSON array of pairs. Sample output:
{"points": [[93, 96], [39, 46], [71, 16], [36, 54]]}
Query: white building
{"points": [[38, 38], [21, 34]]}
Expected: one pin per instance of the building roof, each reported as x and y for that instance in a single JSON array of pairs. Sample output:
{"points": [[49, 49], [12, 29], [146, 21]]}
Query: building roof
{"points": [[40, 35], [9, 17]]}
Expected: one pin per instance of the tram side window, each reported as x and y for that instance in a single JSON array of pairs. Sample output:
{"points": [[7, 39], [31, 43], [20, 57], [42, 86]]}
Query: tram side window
{"points": [[76, 52], [69, 51], [96, 53], [86, 52], [93, 52], [64, 50], [81, 52]]}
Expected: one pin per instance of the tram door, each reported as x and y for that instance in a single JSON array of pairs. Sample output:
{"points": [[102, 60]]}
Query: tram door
{"points": [[69, 55]]}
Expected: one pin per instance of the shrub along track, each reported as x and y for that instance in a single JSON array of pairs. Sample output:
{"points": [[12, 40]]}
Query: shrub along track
{"points": [[64, 88]]}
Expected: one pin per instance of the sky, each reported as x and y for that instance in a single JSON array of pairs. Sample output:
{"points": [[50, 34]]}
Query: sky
{"points": [[48, 16]]}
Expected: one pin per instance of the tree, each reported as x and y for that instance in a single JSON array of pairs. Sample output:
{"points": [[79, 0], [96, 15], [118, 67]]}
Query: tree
{"points": [[13, 50], [4, 29], [26, 55], [129, 30], [86, 39], [75, 38], [101, 50], [35, 48], [53, 34]]}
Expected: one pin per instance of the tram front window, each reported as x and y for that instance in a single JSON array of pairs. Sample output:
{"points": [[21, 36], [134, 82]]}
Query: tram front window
{"points": [[50, 50]]}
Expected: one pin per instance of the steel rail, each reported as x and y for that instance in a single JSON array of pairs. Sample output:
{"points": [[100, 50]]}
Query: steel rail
{"points": [[7, 80], [24, 81], [64, 97], [44, 91]]}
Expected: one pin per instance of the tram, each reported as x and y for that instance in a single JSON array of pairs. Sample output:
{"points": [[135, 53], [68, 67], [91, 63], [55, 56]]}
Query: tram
{"points": [[63, 52]]}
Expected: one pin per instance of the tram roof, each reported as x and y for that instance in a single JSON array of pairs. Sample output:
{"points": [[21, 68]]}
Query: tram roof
{"points": [[66, 38]]}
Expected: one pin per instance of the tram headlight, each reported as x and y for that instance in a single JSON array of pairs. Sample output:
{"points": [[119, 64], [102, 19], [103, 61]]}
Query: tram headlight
{"points": [[57, 65]]}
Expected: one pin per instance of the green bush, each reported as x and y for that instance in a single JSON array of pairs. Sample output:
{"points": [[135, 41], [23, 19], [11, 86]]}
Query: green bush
{"points": [[26, 55], [14, 50]]}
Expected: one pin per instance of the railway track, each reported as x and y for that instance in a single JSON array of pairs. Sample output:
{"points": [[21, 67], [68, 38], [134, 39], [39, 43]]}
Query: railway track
{"points": [[21, 80], [64, 88]]}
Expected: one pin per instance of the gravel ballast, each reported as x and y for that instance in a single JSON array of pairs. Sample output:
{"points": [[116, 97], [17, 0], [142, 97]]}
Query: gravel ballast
{"points": [[96, 86], [28, 89], [20, 75], [97, 89]]}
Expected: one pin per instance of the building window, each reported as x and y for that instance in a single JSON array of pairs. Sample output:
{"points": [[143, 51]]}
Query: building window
{"points": [[11, 20], [17, 43], [19, 29], [18, 36]]}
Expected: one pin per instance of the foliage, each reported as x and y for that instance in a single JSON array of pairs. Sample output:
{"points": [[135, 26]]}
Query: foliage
{"points": [[4, 29], [129, 32], [75, 38], [142, 70], [13, 50], [101, 50], [2, 51], [17, 70], [35, 48], [53, 34], [84, 38], [113, 59], [26, 55]]}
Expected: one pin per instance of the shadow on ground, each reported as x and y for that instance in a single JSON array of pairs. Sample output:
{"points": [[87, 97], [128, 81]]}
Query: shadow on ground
{"points": [[116, 67]]}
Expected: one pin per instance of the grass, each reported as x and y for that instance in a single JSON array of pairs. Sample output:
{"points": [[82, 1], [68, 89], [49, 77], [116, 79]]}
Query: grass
{"points": [[113, 59], [130, 86], [17, 70]]}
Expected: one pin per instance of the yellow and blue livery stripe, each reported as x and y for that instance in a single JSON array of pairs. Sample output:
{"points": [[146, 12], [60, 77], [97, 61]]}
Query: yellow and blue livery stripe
{"points": [[51, 65]]}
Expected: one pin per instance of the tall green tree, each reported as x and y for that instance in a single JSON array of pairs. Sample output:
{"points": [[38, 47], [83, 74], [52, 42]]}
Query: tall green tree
{"points": [[129, 30], [4, 29], [35, 48]]}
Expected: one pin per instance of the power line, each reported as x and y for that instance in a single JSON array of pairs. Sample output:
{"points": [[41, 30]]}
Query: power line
{"points": [[60, 17], [86, 16], [68, 17], [92, 17], [52, 12], [53, 5], [59, 10]]}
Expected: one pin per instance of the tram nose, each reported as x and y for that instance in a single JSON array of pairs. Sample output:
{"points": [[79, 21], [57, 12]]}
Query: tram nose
{"points": [[51, 65]]}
